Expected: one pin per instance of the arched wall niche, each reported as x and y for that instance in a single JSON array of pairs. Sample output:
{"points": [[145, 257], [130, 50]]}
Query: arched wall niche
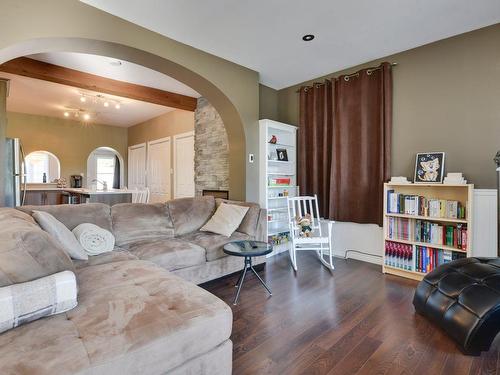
{"points": [[72, 26]]}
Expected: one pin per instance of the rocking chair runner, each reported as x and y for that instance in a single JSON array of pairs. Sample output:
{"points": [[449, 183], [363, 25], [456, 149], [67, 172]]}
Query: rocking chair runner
{"points": [[299, 207]]}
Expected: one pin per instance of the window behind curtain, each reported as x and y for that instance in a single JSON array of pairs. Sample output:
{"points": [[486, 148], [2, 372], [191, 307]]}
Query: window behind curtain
{"points": [[105, 169]]}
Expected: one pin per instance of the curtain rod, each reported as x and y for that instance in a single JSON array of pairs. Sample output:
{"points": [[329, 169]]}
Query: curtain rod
{"points": [[347, 76]]}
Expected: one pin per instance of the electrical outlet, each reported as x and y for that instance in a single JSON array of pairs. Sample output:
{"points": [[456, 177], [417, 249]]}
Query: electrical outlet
{"points": [[251, 158]]}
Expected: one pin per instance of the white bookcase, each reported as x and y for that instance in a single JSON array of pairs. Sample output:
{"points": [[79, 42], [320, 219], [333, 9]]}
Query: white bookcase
{"points": [[273, 195]]}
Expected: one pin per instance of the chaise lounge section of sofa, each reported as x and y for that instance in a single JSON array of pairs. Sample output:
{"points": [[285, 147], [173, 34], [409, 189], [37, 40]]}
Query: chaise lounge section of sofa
{"points": [[139, 310]]}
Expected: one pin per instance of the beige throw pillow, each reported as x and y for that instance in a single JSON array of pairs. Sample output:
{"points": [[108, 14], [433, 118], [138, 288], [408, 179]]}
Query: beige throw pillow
{"points": [[226, 219], [62, 234]]}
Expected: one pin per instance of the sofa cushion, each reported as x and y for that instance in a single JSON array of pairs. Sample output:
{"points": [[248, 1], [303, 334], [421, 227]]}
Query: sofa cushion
{"points": [[189, 214], [73, 215], [117, 255], [132, 318], [26, 251], [213, 243], [171, 254], [136, 221], [249, 223], [226, 219]]}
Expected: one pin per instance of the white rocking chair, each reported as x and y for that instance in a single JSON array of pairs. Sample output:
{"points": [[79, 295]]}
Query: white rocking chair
{"points": [[299, 207]]}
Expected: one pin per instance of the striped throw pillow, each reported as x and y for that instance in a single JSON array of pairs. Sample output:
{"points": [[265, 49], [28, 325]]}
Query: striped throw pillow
{"points": [[24, 302]]}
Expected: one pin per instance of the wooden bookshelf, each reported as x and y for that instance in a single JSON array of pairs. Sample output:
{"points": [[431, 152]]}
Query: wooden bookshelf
{"points": [[459, 193]]}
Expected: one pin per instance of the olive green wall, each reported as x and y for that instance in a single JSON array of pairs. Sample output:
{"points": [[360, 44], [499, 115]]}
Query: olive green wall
{"points": [[268, 103], [446, 98], [71, 141], [69, 25], [166, 125]]}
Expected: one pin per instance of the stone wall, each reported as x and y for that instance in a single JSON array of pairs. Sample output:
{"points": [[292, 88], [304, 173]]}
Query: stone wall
{"points": [[211, 149]]}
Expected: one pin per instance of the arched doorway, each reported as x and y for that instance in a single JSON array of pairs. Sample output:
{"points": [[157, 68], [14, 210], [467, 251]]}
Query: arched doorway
{"points": [[105, 164], [190, 66]]}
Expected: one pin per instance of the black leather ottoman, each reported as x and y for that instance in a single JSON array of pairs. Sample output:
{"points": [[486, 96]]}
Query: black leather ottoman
{"points": [[463, 298]]}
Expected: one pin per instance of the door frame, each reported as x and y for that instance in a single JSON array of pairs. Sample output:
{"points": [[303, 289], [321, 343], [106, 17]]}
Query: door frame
{"points": [[181, 135], [139, 145], [154, 142]]}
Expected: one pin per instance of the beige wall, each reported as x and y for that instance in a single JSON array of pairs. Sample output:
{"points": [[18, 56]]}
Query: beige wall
{"points": [[446, 98], [71, 141], [268, 103], [166, 125], [72, 26]]}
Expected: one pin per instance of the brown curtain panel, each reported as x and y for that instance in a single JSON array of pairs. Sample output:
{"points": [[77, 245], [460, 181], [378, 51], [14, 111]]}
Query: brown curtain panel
{"points": [[345, 144]]}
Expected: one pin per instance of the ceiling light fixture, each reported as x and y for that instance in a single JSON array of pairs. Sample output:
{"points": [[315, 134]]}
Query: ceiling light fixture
{"points": [[66, 114], [86, 116], [83, 99], [106, 104], [308, 37], [117, 106]]}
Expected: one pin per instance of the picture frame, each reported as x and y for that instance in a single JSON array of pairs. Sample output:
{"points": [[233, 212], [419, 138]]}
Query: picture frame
{"points": [[282, 154], [429, 168]]}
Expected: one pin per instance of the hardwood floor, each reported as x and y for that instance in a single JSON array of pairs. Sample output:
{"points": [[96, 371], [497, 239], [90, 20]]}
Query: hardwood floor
{"points": [[356, 321]]}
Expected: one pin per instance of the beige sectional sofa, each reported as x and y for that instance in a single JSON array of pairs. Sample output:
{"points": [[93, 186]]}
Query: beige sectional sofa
{"points": [[139, 310]]}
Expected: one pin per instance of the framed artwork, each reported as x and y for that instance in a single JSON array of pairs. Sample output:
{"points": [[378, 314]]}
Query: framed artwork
{"points": [[429, 168], [282, 154]]}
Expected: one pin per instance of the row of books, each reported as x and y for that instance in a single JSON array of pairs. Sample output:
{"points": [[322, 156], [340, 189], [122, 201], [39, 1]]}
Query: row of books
{"points": [[398, 203], [399, 255], [400, 228], [428, 258], [428, 232], [449, 235]]}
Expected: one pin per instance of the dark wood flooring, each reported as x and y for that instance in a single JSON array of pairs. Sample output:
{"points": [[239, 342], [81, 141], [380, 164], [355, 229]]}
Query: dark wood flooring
{"points": [[354, 321]]}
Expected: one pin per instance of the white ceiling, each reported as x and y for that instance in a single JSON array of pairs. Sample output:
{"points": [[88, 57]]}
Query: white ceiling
{"points": [[126, 71], [266, 35], [33, 96]]}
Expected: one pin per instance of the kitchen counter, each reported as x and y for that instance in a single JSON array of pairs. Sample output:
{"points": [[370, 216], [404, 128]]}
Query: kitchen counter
{"points": [[79, 191], [40, 195]]}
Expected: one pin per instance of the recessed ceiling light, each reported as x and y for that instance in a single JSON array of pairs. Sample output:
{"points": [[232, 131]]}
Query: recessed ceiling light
{"points": [[106, 104], [66, 114], [117, 105], [308, 37], [115, 63], [86, 116], [83, 99]]}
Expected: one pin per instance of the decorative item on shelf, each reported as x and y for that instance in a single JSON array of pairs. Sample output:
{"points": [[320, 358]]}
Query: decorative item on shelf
{"points": [[273, 140], [282, 154], [429, 167], [399, 180], [285, 193], [61, 183], [281, 181], [454, 179]]}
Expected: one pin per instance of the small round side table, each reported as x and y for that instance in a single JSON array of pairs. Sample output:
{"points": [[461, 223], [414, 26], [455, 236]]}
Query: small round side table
{"points": [[247, 249]]}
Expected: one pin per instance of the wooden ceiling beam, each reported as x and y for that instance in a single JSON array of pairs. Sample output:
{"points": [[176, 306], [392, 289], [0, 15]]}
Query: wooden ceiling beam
{"points": [[27, 67]]}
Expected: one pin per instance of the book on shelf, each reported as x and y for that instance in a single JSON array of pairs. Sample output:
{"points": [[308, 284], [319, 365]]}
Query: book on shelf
{"points": [[417, 205], [428, 258], [399, 255]]}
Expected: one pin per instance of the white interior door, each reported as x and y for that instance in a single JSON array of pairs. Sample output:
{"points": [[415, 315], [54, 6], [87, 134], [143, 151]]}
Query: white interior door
{"points": [[137, 166], [184, 165], [159, 170]]}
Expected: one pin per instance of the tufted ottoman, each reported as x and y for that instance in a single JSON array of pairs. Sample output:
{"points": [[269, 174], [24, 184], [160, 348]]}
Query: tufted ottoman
{"points": [[463, 298]]}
